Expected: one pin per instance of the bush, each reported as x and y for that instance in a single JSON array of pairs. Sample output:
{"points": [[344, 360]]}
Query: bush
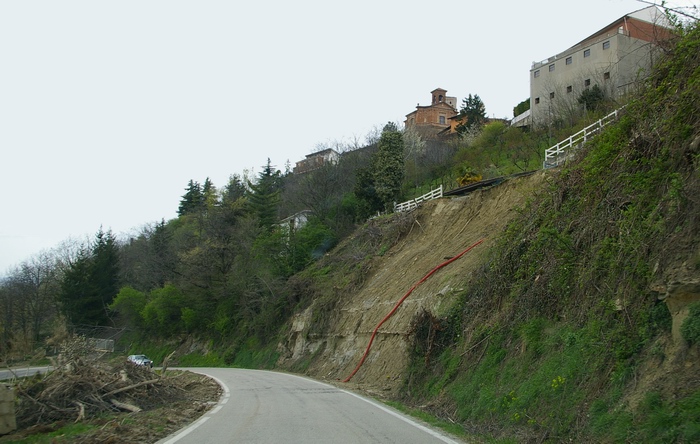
{"points": [[690, 330]]}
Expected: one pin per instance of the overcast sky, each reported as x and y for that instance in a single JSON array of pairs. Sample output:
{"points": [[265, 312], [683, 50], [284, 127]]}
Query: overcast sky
{"points": [[108, 109]]}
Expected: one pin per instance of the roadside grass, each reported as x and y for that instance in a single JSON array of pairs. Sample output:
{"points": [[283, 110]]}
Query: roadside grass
{"points": [[435, 422], [532, 381], [64, 433], [657, 420]]}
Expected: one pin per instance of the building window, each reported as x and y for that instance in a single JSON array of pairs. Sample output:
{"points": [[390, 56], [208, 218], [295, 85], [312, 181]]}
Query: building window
{"points": [[569, 88], [569, 61], [587, 83], [606, 76], [551, 95], [442, 120], [537, 100], [537, 73], [606, 44], [586, 52], [551, 67]]}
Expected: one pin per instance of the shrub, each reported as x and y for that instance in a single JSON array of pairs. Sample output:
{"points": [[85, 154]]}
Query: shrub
{"points": [[690, 329]]}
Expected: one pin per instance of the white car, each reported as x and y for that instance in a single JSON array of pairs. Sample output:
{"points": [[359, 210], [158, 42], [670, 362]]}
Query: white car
{"points": [[140, 360]]}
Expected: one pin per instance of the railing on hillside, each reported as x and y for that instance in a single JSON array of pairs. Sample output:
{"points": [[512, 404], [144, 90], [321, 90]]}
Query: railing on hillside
{"points": [[560, 152], [413, 203]]}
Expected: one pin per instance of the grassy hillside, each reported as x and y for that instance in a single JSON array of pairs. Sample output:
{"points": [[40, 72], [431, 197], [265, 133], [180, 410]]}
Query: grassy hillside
{"points": [[582, 322]]}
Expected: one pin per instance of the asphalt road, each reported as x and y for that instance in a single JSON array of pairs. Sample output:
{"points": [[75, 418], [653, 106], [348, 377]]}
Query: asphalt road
{"points": [[22, 372], [269, 407]]}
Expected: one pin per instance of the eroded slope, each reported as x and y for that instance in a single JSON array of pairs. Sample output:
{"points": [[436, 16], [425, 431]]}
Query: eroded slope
{"points": [[438, 230]]}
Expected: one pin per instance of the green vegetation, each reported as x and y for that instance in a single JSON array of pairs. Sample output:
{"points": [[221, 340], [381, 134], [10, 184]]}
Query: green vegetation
{"points": [[556, 328], [691, 326], [472, 113], [521, 107], [556, 337], [63, 433], [91, 281], [378, 185], [454, 429]]}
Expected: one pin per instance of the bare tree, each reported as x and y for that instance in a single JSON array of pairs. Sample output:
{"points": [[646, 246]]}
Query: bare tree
{"points": [[29, 300]]}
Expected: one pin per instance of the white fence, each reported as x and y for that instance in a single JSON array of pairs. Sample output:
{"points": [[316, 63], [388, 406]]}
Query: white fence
{"points": [[411, 204], [557, 154], [103, 344]]}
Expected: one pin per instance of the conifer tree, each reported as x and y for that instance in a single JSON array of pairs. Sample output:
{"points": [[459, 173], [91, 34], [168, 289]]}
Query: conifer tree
{"points": [[91, 282], [210, 197], [473, 113], [234, 190], [192, 200], [388, 166], [264, 196], [105, 267]]}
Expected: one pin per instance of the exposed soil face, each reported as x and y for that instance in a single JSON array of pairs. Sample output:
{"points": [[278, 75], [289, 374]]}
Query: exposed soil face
{"points": [[84, 395], [442, 229]]}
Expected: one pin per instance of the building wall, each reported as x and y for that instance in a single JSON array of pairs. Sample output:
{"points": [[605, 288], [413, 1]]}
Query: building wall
{"points": [[431, 119], [437, 115], [614, 58], [316, 160]]}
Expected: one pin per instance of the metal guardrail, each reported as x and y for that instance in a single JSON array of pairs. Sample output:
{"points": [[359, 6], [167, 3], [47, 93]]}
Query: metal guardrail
{"points": [[559, 153], [411, 204]]}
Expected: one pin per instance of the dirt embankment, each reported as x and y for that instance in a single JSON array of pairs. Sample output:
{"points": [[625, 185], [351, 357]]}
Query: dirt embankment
{"points": [[442, 229]]}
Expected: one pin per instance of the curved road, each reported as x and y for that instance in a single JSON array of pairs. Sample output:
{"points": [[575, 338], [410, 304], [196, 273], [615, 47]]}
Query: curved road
{"points": [[22, 372], [269, 407]]}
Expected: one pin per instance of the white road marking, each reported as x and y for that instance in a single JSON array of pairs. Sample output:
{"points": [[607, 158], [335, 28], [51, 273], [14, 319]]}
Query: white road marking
{"points": [[406, 419], [227, 394]]}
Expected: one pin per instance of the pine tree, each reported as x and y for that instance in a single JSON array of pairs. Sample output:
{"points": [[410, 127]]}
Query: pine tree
{"points": [[91, 282], [472, 113], [264, 196], [388, 168], [234, 190], [105, 267], [192, 200], [77, 295], [366, 192], [210, 197]]}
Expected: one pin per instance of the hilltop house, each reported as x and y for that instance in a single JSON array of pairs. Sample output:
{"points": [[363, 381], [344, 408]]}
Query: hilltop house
{"points": [[615, 58], [296, 221], [316, 160], [431, 119]]}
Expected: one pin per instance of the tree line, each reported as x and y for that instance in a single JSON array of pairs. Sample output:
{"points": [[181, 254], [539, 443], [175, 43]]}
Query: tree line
{"points": [[220, 268]]}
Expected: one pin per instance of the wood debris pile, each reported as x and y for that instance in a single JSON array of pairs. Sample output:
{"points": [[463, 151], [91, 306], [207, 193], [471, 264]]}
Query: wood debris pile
{"points": [[81, 387]]}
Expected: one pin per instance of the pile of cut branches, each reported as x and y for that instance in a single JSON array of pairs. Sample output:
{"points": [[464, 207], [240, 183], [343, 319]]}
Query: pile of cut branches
{"points": [[81, 387]]}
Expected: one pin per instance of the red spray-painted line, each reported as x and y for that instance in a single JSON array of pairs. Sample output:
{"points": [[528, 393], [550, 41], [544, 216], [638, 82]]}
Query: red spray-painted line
{"points": [[393, 310]]}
